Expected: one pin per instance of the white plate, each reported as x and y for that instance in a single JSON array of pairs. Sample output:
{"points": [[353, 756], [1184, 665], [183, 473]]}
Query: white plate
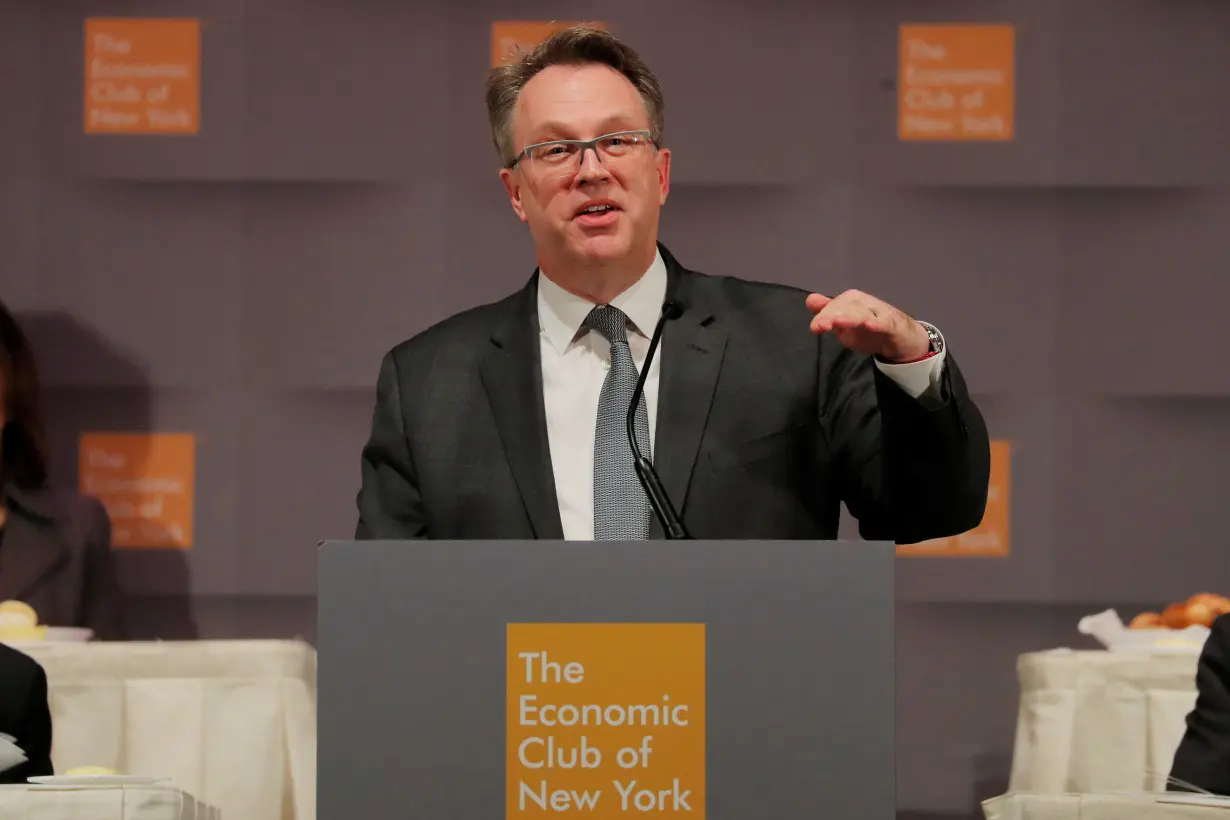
{"points": [[1190, 639], [56, 634], [95, 780], [1210, 800], [68, 634]]}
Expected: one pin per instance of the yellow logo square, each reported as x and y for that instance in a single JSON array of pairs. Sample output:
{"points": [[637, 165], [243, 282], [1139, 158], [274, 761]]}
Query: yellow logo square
{"points": [[605, 720]]}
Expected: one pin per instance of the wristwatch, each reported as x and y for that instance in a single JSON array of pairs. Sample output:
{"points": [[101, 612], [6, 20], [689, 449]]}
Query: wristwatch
{"points": [[937, 341]]}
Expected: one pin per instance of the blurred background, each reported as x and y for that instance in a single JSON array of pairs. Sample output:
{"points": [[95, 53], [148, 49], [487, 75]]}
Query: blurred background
{"points": [[339, 194]]}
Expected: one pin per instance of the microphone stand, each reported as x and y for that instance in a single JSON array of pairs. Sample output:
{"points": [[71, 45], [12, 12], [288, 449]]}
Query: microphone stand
{"points": [[672, 525]]}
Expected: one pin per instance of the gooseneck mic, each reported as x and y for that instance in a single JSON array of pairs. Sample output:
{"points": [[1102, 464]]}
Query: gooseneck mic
{"points": [[658, 499]]}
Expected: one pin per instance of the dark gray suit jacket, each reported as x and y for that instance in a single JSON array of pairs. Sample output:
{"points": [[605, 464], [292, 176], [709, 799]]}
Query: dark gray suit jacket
{"points": [[56, 556], [763, 428], [25, 714], [1203, 755]]}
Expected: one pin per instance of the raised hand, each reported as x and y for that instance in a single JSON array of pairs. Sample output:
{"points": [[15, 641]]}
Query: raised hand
{"points": [[863, 323]]}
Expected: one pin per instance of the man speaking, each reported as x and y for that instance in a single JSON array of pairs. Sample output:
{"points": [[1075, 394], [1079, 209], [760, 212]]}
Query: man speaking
{"points": [[762, 409]]}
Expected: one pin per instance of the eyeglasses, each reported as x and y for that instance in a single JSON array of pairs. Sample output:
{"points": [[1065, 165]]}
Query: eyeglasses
{"points": [[565, 155]]}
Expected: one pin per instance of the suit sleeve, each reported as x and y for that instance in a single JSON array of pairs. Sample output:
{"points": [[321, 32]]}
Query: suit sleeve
{"points": [[33, 731], [390, 505], [910, 471], [103, 604], [1203, 756]]}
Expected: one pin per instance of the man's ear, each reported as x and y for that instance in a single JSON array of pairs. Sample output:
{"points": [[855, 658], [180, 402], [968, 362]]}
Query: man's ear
{"points": [[663, 162], [512, 184]]}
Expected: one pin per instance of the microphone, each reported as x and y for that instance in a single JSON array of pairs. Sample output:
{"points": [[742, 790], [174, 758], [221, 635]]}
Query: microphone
{"points": [[658, 499]]}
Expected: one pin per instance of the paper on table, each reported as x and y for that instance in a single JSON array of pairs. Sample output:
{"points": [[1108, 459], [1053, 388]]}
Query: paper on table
{"points": [[10, 754]]}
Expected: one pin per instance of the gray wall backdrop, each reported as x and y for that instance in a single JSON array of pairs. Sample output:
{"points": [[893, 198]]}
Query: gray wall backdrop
{"points": [[342, 195]]}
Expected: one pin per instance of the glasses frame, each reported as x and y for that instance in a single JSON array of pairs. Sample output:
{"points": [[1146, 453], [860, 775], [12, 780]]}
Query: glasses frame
{"points": [[584, 145]]}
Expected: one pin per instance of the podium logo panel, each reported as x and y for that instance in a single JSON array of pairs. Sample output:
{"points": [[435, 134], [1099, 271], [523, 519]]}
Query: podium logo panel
{"points": [[605, 720]]}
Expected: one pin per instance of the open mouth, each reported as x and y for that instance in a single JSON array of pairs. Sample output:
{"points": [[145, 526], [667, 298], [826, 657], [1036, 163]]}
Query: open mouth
{"points": [[596, 210]]}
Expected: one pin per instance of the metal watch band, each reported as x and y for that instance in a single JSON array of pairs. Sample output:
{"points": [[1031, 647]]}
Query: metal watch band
{"points": [[937, 341]]}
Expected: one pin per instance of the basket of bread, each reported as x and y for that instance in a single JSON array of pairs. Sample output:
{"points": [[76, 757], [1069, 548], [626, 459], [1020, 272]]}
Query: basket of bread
{"points": [[1198, 610], [1182, 626]]}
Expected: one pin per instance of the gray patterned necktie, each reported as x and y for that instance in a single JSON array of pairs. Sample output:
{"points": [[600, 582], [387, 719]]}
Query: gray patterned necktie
{"points": [[621, 508]]}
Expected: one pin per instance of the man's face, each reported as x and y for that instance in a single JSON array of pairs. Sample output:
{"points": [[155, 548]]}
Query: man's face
{"points": [[584, 102]]}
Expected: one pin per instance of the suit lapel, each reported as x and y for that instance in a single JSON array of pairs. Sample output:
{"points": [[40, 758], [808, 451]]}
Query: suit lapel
{"points": [[32, 545], [512, 377], [693, 347]]}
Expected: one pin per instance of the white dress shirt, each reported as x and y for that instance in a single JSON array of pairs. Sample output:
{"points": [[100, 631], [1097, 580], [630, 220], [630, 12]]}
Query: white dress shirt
{"points": [[575, 362]]}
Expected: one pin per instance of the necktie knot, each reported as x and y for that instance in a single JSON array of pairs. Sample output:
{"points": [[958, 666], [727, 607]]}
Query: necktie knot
{"points": [[611, 322]]}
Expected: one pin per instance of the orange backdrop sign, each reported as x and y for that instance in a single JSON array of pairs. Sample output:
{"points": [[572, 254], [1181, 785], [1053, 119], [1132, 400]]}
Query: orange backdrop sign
{"points": [[956, 83], [605, 720], [147, 483], [991, 537], [142, 76], [507, 36]]}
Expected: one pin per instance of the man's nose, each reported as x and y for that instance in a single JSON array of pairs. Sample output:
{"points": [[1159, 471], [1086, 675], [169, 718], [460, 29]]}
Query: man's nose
{"points": [[591, 167]]}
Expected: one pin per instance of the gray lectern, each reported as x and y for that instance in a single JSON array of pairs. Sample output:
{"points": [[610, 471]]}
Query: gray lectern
{"points": [[729, 680]]}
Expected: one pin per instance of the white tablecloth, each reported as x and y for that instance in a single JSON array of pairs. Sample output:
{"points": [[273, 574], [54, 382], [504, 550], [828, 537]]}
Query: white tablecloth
{"points": [[1098, 807], [1100, 721], [232, 722], [100, 803]]}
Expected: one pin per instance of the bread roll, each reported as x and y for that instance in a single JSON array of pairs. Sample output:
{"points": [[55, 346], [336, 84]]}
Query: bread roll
{"points": [[1146, 620], [1175, 616], [91, 771], [1218, 603], [1200, 613]]}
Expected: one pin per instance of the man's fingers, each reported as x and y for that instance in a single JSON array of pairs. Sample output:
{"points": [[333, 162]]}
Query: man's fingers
{"points": [[860, 322], [827, 318], [850, 319], [838, 316], [817, 302]]}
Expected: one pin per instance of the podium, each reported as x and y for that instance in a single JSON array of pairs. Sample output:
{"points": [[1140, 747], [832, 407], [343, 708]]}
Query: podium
{"points": [[727, 680]]}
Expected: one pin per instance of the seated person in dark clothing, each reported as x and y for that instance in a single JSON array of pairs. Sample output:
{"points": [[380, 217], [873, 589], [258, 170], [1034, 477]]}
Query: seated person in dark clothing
{"points": [[25, 714], [1203, 756], [55, 543]]}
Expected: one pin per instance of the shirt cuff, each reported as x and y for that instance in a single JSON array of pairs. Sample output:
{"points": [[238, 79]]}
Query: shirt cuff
{"points": [[921, 379]]}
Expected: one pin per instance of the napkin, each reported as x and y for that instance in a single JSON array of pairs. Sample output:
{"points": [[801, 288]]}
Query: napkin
{"points": [[1105, 627], [10, 754]]}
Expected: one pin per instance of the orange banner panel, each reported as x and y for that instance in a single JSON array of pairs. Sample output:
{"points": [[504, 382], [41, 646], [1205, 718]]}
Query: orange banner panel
{"points": [[956, 82], [142, 76], [606, 720], [509, 36], [147, 483], [991, 537]]}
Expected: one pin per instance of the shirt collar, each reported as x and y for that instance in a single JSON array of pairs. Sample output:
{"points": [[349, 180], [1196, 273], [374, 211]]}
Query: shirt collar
{"points": [[560, 313]]}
